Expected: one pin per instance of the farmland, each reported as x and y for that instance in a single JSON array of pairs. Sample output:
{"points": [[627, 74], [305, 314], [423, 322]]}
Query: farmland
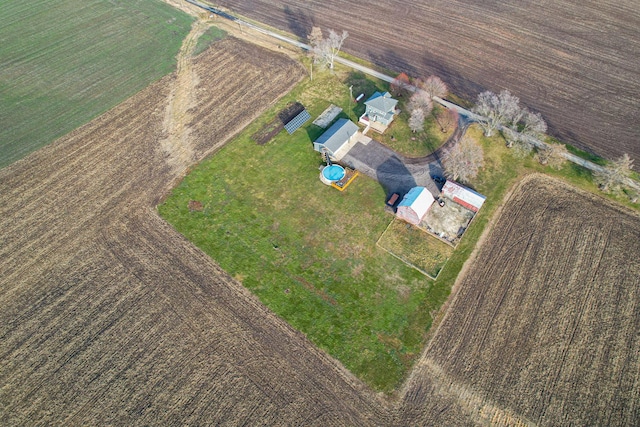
{"points": [[574, 61], [544, 326], [110, 316], [64, 63]]}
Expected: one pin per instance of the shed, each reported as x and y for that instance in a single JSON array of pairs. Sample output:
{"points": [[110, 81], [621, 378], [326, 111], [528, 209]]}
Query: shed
{"points": [[463, 196], [338, 135], [414, 205]]}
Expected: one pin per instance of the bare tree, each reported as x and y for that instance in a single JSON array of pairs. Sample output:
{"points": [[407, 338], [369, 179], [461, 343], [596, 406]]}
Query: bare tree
{"points": [[614, 175], [416, 121], [463, 161], [447, 118], [496, 109], [553, 155], [421, 100], [434, 86], [325, 50], [525, 125]]}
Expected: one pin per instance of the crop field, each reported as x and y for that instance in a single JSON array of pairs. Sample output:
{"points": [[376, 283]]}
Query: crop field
{"points": [[109, 316], [574, 61], [545, 326], [65, 62]]}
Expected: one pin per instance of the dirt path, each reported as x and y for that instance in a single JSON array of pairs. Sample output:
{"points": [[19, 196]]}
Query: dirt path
{"points": [[178, 145]]}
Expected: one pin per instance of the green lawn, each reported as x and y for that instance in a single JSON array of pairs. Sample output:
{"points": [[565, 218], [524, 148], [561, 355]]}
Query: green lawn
{"points": [[64, 62], [415, 247], [212, 34], [309, 251], [305, 249]]}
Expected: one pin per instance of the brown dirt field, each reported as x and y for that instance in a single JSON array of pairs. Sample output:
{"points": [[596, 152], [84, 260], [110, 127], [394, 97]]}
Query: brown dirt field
{"points": [[109, 316], [545, 325], [574, 61]]}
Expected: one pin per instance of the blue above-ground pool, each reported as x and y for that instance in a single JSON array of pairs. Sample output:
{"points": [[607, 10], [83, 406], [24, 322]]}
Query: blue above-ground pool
{"points": [[333, 173]]}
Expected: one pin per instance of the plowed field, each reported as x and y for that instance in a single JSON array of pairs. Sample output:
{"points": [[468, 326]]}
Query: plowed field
{"points": [[109, 316], [574, 61], [545, 327]]}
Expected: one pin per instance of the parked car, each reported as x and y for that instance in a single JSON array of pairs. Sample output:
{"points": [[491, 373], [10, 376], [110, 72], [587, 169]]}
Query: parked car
{"points": [[438, 179]]}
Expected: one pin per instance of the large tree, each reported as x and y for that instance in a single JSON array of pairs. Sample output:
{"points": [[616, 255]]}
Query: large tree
{"points": [[421, 100], [434, 86], [463, 161], [614, 175], [325, 50], [496, 110], [416, 121]]}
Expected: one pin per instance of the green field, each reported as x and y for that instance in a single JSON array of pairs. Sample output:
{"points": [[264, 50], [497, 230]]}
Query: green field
{"points": [[64, 62]]}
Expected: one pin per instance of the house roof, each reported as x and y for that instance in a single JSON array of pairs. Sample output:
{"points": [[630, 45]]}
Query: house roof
{"points": [[463, 195], [382, 102], [338, 134], [417, 201]]}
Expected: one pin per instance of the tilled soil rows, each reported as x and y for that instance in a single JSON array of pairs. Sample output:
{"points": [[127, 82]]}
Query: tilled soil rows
{"points": [[545, 327], [576, 62], [110, 317]]}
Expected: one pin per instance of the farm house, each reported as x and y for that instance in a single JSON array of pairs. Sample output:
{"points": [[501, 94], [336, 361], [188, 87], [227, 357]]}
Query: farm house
{"points": [[415, 205], [463, 196], [381, 109], [338, 135]]}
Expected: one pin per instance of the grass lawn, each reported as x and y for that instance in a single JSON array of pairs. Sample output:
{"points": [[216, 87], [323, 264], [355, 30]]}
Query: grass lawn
{"points": [[415, 247], [309, 251], [400, 138], [65, 62], [305, 249]]}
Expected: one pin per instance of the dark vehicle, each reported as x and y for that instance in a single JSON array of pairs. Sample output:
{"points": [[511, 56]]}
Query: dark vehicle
{"points": [[438, 179]]}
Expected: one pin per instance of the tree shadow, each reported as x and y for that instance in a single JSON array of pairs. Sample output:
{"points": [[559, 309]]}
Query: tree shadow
{"points": [[360, 84], [299, 21], [394, 176], [390, 59]]}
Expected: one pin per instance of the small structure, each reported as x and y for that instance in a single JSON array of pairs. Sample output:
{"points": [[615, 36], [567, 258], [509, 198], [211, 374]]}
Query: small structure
{"points": [[415, 205], [463, 196], [327, 116], [341, 133], [297, 122], [380, 111]]}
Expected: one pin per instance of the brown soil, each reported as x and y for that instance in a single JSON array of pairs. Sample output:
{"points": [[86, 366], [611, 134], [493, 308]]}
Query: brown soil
{"points": [[544, 326], [576, 62], [109, 316]]}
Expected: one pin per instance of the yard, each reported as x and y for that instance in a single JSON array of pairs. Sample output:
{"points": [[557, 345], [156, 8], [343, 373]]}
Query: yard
{"points": [[305, 249]]}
